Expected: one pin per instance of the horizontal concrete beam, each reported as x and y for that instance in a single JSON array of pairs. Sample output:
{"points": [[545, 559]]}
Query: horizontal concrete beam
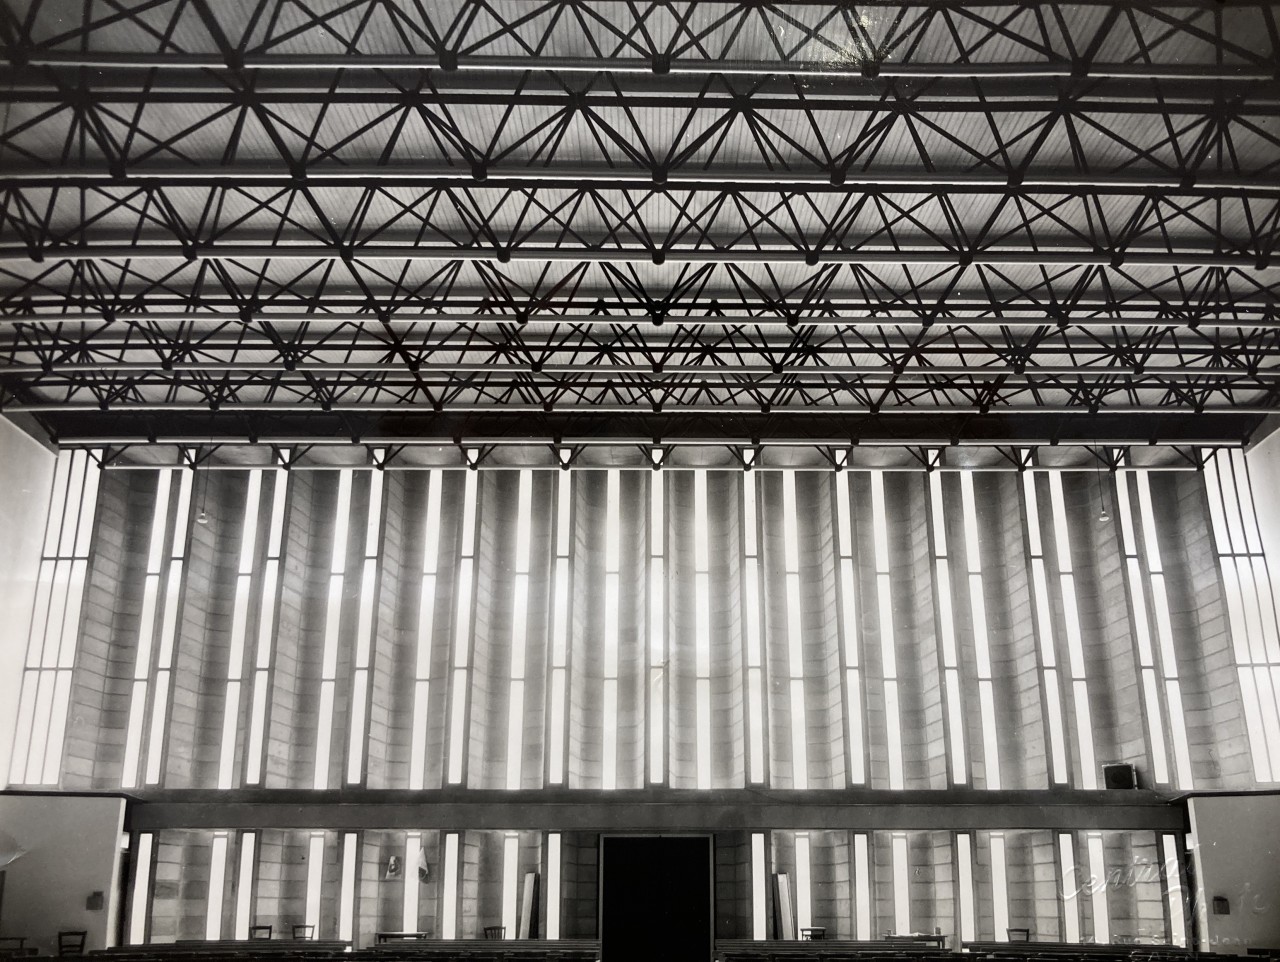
{"points": [[659, 810]]}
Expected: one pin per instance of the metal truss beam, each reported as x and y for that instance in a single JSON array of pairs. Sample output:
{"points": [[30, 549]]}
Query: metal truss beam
{"points": [[912, 223], [255, 367], [536, 438], [658, 293], [595, 122], [376, 221], [843, 39], [410, 454], [561, 177]]}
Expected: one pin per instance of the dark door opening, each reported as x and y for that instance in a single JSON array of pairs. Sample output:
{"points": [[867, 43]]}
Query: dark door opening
{"points": [[656, 898]]}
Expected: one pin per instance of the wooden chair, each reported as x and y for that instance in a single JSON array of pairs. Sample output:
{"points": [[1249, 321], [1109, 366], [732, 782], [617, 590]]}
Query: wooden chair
{"points": [[304, 931], [495, 931], [71, 943], [259, 931]]}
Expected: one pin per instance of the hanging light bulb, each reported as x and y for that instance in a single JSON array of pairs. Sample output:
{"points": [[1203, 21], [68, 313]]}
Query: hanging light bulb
{"points": [[202, 517], [1103, 517]]}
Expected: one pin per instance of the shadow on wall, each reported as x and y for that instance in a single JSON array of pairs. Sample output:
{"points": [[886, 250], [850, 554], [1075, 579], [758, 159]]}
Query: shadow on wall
{"points": [[70, 849]]}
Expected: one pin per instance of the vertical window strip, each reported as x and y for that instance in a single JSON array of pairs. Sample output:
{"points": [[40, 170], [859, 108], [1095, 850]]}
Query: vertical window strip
{"points": [[759, 919], [1072, 887], [795, 636], [168, 627], [553, 885], [1251, 609], [657, 657], [409, 905], [449, 910], [862, 885], [1098, 890], [560, 633], [946, 625], [804, 883], [239, 627], [347, 889], [888, 643], [519, 629], [462, 636], [1142, 632], [901, 884], [268, 599], [45, 689], [217, 885], [510, 882], [702, 627], [847, 615], [999, 886], [1044, 630], [981, 642], [56, 518], [244, 884], [367, 612], [315, 880], [968, 917], [140, 897], [332, 631], [754, 655], [426, 633], [1168, 663], [1173, 890], [609, 722], [1075, 645]]}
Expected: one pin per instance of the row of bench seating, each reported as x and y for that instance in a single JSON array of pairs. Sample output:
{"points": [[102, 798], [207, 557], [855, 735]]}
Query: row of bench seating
{"points": [[588, 950], [472, 950]]}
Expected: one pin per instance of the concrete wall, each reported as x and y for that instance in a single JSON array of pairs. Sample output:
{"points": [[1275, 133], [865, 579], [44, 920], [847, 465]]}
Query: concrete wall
{"points": [[1237, 855], [26, 476], [73, 849]]}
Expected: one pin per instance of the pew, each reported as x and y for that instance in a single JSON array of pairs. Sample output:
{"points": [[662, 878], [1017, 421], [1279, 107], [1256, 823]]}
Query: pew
{"points": [[481, 950], [1090, 950], [185, 950], [900, 949]]}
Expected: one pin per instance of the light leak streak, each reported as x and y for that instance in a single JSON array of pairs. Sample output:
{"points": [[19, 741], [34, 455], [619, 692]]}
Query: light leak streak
{"points": [[794, 636], [358, 725], [426, 633], [332, 631], [847, 613], [560, 632], [462, 636], [657, 648]]}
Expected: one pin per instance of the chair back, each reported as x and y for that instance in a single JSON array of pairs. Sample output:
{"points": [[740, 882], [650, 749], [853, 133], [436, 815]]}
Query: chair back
{"points": [[495, 931], [71, 943], [304, 931], [259, 931]]}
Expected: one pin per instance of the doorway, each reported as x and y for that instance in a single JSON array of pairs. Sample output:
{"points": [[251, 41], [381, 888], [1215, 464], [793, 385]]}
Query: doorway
{"points": [[656, 898]]}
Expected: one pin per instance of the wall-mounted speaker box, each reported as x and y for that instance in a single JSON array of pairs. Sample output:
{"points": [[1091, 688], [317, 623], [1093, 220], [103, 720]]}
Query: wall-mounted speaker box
{"points": [[1119, 776]]}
